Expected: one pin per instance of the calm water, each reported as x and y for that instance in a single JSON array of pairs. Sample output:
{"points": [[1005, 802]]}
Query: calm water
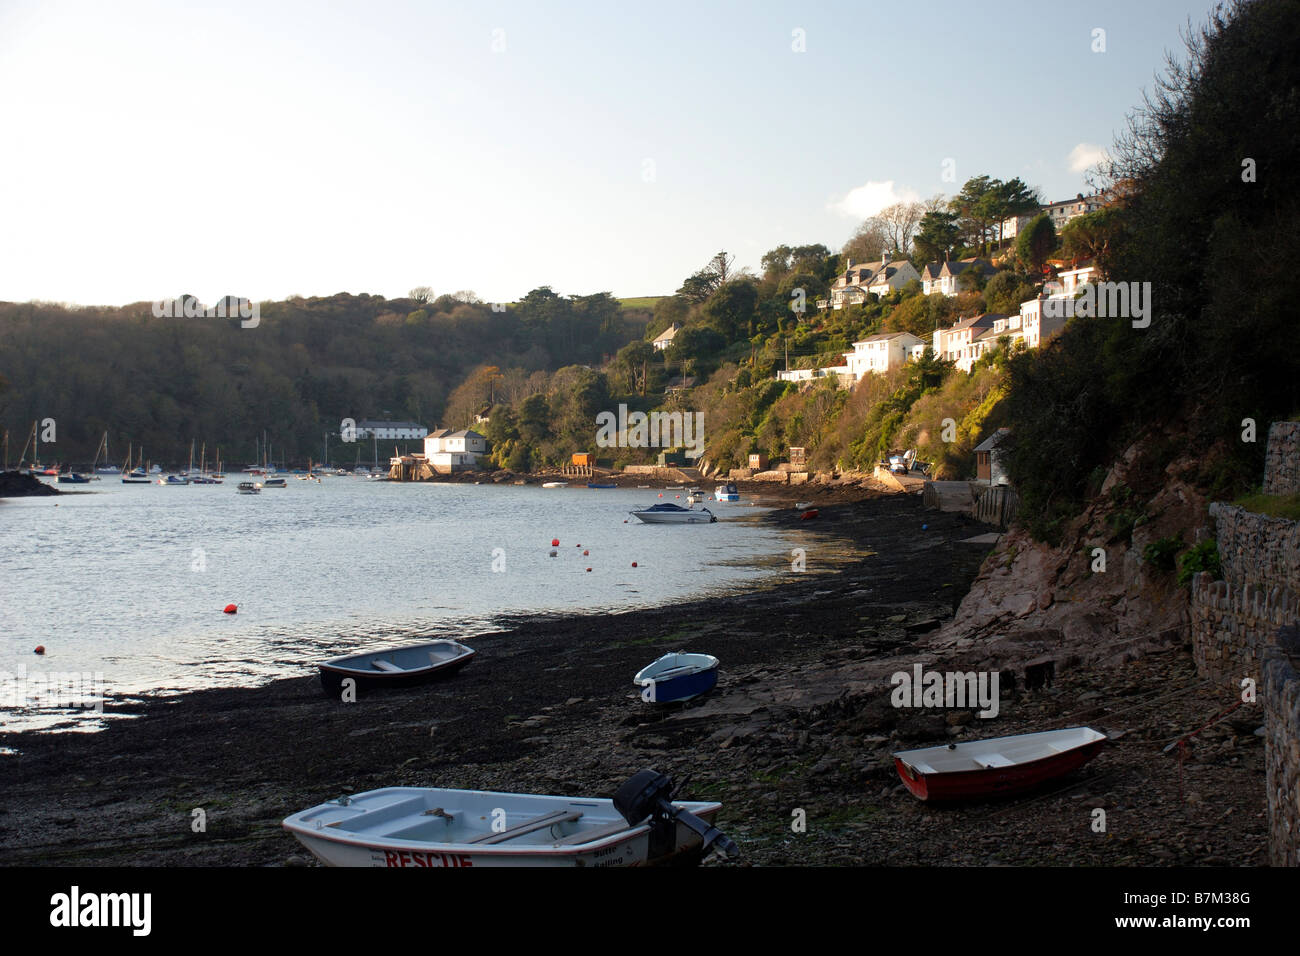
{"points": [[130, 580]]}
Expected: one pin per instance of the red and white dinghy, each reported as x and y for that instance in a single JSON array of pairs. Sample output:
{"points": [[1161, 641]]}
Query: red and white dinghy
{"points": [[998, 766]]}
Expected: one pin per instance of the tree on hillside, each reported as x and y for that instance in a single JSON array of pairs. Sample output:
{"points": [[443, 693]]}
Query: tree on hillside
{"points": [[717, 273], [867, 243], [1090, 236], [937, 235], [1006, 290], [1210, 162], [900, 222], [422, 293], [730, 310], [1012, 198], [1036, 243], [975, 208]]}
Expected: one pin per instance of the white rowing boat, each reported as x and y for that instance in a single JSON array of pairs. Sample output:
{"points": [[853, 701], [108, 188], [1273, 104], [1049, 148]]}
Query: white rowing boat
{"points": [[431, 827]]}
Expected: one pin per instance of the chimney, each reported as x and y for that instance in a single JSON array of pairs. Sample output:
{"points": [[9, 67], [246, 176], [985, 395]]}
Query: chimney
{"points": [[884, 257]]}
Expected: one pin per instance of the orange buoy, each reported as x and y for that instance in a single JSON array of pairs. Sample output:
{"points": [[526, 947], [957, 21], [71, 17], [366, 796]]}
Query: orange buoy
{"points": [[589, 569], [585, 553], [231, 608], [40, 648], [661, 494]]}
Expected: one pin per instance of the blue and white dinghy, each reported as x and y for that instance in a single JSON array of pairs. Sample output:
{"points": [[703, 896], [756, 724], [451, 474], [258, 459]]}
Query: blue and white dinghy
{"points": [[677, 677], [426, 827]]}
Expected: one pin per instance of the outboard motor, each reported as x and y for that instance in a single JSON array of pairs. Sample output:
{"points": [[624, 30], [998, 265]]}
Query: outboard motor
{"points": [[650, 793]]}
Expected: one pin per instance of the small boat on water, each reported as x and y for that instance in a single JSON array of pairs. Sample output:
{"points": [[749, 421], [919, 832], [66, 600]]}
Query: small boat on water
{"points": [[668, 513], [395, 667], [596, 484], [274, 483], [249, 488], [73, 478], [997, 766], [726, 492], [555, 484], [432, 827], [677, 677]]}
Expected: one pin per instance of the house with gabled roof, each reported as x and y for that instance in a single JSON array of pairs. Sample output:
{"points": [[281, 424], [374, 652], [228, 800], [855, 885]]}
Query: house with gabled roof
{"points": [[665, 338], [870, 278], [956, 344], [940, 278], [448, 451]]}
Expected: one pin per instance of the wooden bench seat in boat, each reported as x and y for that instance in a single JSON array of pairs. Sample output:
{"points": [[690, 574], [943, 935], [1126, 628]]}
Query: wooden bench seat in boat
{"points": [[385, 666], [988, 761], [527, 826]]}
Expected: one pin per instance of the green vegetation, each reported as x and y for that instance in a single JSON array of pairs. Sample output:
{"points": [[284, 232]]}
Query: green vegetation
{"points": [[1200, 557], [1202, 181], [1160, 554], [1276, 506]]}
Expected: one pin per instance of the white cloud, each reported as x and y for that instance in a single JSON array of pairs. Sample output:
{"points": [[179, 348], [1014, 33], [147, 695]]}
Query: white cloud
{"points": [[1086, 155], [865, 201]]}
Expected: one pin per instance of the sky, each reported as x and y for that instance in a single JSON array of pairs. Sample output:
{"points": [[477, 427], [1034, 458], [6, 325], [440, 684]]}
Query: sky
{"points": [[278, 148]]}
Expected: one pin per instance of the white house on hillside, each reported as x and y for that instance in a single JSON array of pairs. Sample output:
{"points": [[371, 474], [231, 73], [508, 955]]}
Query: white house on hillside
{"points": [[875, 278], [665, 338], [877, 354], [956, 344], [941, 277]]}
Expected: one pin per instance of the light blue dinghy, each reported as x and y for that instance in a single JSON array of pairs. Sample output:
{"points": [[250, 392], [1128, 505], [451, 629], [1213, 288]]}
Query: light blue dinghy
{"points": [[676, 677]]}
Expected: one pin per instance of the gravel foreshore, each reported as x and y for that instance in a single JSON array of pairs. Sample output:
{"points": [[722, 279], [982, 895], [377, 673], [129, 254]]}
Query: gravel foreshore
{"points": [[801, 720]]}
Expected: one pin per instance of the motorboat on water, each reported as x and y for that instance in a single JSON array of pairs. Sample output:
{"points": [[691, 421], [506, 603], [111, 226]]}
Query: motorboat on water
{"points": [[668, 513], [726, 492]]}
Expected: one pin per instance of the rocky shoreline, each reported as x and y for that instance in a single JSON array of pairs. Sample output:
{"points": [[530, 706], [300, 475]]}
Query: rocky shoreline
{"points": [[801, 721]]}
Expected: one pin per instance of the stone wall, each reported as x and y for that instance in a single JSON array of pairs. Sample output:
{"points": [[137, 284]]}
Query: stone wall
{"points": [[1244, 626], [1231, 625], [1282, 464], [1281, 699]]}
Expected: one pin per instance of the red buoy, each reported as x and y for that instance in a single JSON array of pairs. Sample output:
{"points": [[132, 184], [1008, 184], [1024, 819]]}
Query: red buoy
{"points": [[585, 553], [634, 564], [555, 542], [589, 569], [231, 608], [810, 513], [40, 648]]}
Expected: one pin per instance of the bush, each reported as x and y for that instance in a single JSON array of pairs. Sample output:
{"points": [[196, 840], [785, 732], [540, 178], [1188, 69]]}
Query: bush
{"points": [[1202, 557], [1160, 554]]}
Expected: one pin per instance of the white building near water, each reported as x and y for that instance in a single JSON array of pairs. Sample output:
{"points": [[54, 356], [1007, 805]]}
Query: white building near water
{"points": [[449, 451], [396, 431]]}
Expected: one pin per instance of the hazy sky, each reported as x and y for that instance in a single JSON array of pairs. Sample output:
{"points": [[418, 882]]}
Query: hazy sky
{"points": [[266, 149]]}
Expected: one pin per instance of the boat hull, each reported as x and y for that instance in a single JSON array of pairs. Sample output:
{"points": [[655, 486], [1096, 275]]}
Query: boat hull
{"points": [[661, 686], [322, 830], [333, 673], [990, 782]]}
